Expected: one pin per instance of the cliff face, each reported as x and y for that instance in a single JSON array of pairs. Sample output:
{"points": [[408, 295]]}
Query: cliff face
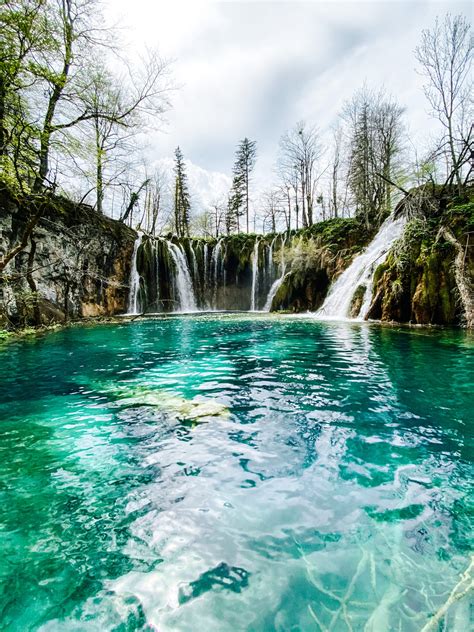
{"points": [[76, 264]]}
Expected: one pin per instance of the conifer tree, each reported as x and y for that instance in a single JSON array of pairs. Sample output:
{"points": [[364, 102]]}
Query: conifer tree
{"points": [[182, 205], [246, 155]]}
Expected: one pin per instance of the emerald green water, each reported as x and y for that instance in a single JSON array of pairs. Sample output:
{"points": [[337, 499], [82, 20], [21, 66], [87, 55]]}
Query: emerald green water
{"points": [[235, 473]]}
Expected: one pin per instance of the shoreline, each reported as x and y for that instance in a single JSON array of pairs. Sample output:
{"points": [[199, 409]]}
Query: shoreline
{"points": [[8, 335]]}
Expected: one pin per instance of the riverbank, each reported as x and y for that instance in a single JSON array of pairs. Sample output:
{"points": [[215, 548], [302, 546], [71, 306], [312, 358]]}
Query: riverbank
{"points": [[124, 319]]}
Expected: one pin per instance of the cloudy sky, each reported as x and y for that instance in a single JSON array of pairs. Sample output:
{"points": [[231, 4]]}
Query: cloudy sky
{"points": [[256, 68]]}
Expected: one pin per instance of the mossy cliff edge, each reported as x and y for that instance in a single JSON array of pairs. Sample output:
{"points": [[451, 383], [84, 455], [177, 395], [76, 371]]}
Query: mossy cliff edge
{"points": [[428, 276], [75, 265]]}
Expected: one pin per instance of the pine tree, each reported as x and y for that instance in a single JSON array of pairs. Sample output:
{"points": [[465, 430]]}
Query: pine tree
{"points": [[239, 195], [182, 205]]}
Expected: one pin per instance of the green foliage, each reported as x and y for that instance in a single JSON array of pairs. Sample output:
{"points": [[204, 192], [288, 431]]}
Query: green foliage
{"points": [[417, 281], [460, 217], [338, 232], [302, 255]]}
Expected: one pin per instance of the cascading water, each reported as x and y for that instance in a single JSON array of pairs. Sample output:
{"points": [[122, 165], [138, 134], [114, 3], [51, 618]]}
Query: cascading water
{"points": [[253, 296], [278, 282], [184, 282], [190, 275], [205, 284], [361, 273], [195, 263], [134, 279], [216, 253], [269, 270]]}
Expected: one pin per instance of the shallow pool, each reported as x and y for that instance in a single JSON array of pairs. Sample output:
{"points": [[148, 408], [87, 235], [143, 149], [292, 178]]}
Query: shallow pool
{"points": [[227, 472]]}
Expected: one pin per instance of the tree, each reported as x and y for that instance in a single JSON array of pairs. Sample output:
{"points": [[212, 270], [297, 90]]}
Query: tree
{"points": [[218, 216], [24, 29], [182, 204], [445, 56], [374, 132], [154, 201], [134, 196], [300, 151], [56, 99], [287, 175], [273, 207], [338, 184], [245, 159], [116, 110], [235, 204], [232, 213]]}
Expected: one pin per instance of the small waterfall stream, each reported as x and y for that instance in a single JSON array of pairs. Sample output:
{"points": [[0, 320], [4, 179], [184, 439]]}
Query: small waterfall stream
{"points": [[134, 279], [184, 282], [253, 296], [215, 265], [278, 282], [361, 273]]}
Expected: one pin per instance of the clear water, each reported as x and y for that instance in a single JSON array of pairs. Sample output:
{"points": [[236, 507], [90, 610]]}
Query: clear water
{"points": [[235, 473]]}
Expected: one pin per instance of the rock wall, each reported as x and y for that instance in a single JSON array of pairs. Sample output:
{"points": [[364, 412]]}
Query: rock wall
{"points": [[76, 264]]}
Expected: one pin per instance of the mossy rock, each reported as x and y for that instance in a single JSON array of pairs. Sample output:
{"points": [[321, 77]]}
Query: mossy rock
{"points": [[357, 300]]}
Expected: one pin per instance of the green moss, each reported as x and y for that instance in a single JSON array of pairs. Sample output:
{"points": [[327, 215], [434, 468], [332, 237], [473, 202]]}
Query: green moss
{"points": [[381, 269], [357, 300]]}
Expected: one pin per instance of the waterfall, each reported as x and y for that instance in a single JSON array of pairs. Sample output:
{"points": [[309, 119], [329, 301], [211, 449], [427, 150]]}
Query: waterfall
{"points": [[205, 284], [361, 273], [253, 300], [134, 279], [195, 263], [215, 269], [184, 282], [277, 283]]}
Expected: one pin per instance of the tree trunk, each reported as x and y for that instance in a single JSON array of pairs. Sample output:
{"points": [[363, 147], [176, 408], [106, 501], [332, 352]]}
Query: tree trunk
{"points": [[32, 284], [463, 282], [30, 225], [59, 85], [99, 168], [247, 194]]}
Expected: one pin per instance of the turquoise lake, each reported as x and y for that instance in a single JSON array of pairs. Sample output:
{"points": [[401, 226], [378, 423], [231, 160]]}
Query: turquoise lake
{"points": [[236, 472]]}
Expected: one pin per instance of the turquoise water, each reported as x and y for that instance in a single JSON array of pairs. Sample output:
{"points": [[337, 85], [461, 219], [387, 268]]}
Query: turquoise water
{"points": [[236, 473]]}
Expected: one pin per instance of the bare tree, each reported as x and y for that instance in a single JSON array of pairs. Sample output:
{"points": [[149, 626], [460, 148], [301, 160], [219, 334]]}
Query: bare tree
{"points": [[273, 209], [445, 57], [374, 136], [116, 110], [217, 214], [300, 151]]}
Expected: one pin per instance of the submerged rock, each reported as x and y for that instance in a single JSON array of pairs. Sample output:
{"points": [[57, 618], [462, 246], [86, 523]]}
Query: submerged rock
{"points": [[196, 409]]}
